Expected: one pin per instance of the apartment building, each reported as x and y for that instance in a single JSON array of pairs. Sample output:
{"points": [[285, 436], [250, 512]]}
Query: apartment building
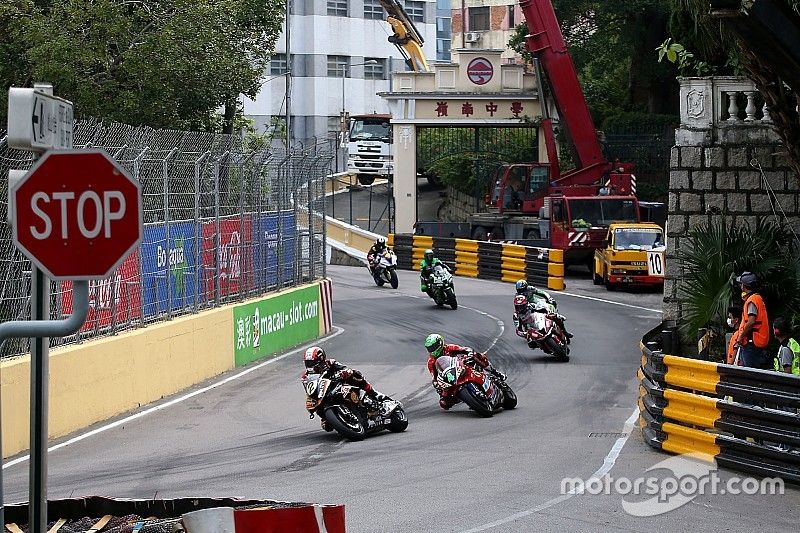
{"points": [[331, 40], [485, 24]]}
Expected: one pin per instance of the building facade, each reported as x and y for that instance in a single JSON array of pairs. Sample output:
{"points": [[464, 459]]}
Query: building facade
{"points": [[482, 24], [331, 40]]}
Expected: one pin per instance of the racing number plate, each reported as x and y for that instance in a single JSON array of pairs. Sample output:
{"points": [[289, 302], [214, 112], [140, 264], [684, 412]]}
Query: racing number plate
{"points": [[655, 264]]}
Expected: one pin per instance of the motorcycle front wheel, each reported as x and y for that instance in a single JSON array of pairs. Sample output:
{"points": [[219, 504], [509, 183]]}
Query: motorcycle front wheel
{"points": [[509, 397], [398, 421], [477, 403], [393, 281], [557, 349], [346, 422], [451, 299]]}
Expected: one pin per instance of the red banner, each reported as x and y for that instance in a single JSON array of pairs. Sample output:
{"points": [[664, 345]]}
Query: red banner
{"points": [[235, 257], [119, 294]]}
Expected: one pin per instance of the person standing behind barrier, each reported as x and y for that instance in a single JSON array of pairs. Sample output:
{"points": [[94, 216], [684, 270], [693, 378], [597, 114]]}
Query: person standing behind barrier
{"points": [[788, 357], [734, 320], [753, 332]]}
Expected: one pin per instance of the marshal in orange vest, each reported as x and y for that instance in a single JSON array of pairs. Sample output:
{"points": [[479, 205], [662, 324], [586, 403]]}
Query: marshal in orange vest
{"points": [[760, 333]]}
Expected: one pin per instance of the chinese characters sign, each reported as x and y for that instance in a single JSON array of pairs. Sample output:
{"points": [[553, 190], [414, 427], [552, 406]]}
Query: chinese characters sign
{"points": [[478, 109]]}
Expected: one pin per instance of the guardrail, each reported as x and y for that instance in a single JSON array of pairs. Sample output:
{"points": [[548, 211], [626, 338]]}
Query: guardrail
{"points": [[746, 419], [484, 260]]}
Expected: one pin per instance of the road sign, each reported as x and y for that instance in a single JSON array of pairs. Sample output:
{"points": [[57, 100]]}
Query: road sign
{"points": [[480, 71], [38, 121], [77, 214]]}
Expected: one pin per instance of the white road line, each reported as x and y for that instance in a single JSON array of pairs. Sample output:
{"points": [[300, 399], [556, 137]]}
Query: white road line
{"points": [[177, 400], [606, 301], [608, 464]]}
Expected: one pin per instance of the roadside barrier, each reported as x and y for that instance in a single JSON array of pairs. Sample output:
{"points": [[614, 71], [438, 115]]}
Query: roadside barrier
{"points": [[745, 418], [484, 260]]}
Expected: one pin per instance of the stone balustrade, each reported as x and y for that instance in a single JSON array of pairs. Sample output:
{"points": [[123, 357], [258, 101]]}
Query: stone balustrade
{"points": [[722, 110]]}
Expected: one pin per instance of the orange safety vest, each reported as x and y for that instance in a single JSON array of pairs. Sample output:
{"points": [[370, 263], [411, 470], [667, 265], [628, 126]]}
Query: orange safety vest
{"points": [[760, 333], [731, 355]]}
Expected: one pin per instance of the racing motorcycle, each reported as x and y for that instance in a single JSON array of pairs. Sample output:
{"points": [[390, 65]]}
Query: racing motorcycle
{"points": [[545, 333], [349, 410], [385, 269], [441, 287], [483, 392]]}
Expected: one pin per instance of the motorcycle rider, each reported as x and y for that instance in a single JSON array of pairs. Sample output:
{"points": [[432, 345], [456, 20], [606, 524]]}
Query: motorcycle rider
{"points": [[523, 318], [436, 347], [536, 298], [429, 260], [375, 251], [317, 362]]}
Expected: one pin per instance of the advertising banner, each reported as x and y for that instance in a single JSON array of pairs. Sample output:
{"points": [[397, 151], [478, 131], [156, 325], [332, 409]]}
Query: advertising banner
{"points": [[119, 294], [270, 325], [269, 231], [176, 259], [236, 257]]}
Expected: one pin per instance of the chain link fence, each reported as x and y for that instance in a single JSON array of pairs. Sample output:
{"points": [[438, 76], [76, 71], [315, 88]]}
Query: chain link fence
{"points": [[222, 223]]}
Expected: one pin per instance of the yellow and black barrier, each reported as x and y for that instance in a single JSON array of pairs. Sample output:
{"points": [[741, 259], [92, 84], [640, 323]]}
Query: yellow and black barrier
{"points": [[746, 419], [485, 260]]}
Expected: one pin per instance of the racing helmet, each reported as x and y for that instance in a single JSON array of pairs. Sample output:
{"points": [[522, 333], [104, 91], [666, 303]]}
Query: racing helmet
{"points": [[315, 360], [521, 304], [428, 255], [521, 286], [434, 343], [380, 244]]}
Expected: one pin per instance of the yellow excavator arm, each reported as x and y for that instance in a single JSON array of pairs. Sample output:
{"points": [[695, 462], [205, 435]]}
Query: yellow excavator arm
{"points": [[405, 37]]}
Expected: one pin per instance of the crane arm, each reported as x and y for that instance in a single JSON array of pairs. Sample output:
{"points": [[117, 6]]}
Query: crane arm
{"points": [[406, 37]]}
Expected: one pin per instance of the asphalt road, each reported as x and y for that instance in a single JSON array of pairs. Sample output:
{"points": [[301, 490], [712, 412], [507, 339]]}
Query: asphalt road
{"points": [[450, 471]]}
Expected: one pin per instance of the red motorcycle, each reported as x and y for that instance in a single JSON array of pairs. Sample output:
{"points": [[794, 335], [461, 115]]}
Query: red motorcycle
{"points": [[483, 392], [544, 333]]}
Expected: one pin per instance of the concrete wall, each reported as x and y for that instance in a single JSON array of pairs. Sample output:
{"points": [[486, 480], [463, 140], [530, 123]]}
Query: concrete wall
{"points": [[458, 206], [101, 379]]}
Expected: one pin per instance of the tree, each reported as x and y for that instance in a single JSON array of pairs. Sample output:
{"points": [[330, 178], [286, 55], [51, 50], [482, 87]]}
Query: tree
{"points": [[160, 63], [612, 46]]}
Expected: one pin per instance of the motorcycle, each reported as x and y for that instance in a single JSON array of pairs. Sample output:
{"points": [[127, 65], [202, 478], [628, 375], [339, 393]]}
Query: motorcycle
{"points": [[349, 410], [545, 333], [483, 392], [385, 269], [441, 287]]}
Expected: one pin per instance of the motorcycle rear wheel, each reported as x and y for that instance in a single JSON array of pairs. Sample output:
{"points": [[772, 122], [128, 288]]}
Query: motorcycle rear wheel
{"points": [[558, 349], [476, 403], [398, 421], [346, 422]]}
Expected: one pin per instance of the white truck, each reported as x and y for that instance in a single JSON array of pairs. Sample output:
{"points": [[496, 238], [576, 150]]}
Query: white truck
{"points": [[369, 147]]}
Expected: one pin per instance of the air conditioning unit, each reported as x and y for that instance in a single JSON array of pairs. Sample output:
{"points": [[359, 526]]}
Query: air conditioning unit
{"points": [[472, 37]]}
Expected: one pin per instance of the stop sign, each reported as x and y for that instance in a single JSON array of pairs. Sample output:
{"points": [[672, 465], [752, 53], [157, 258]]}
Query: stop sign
{"points": [[77, 214]]}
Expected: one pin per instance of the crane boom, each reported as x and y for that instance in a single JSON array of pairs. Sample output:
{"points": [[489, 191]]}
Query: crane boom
{"points": [[406, 37]]}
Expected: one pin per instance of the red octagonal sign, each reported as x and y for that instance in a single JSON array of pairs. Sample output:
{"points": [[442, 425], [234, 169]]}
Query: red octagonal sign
{"points": [[77, 214]]}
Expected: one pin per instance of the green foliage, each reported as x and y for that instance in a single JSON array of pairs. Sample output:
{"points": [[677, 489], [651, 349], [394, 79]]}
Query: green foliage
{"points": [[718, 251], [633, 122], [677, 54], [161, 63], [451, 155]]}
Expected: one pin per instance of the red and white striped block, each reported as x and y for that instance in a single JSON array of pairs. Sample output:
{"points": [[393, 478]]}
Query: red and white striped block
{"points": [[326, 299], [301, 518]]}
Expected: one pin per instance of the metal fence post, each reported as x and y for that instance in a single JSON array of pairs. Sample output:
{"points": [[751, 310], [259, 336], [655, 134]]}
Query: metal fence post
{"points": [[167, 233], [196, 244], [137, 167]]}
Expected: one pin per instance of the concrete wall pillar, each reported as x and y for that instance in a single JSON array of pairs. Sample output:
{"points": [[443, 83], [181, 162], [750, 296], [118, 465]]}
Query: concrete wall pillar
{"points": [[405, 176]]}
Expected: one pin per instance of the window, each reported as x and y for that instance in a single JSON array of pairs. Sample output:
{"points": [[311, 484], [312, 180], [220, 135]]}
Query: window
{"points": [[337, 8], [377, 71], [373, 10], [443, 49], [334, 124], [415, 10], [278, 65], [338, 66], [511, 10], [479, 19]]}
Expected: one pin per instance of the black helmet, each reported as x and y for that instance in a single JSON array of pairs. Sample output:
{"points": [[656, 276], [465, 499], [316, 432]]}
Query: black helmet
{"points": [[521, 286], [380, 243], [315, 359]]}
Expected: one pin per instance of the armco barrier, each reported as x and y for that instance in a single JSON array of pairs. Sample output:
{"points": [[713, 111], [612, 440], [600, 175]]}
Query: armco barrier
{"points": [[485, 260], [103, 378], [746, 419]]}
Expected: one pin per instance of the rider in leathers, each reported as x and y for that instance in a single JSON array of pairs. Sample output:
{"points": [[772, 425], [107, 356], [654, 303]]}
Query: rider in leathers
{"points": [[436, 348], [373, 254], [316, 362], [535, 297]]}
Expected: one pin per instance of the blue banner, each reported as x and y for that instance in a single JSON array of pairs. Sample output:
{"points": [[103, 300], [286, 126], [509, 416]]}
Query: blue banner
{"points": [[176, 259], [273, 233]]}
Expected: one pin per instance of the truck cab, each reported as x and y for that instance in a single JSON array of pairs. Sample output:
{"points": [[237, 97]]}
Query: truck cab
{"points": [[633, 254], [369, 147]]}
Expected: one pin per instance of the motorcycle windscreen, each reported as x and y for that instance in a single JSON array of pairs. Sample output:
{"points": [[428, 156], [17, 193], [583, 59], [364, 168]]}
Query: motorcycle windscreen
{"points": [[447, 368]]}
